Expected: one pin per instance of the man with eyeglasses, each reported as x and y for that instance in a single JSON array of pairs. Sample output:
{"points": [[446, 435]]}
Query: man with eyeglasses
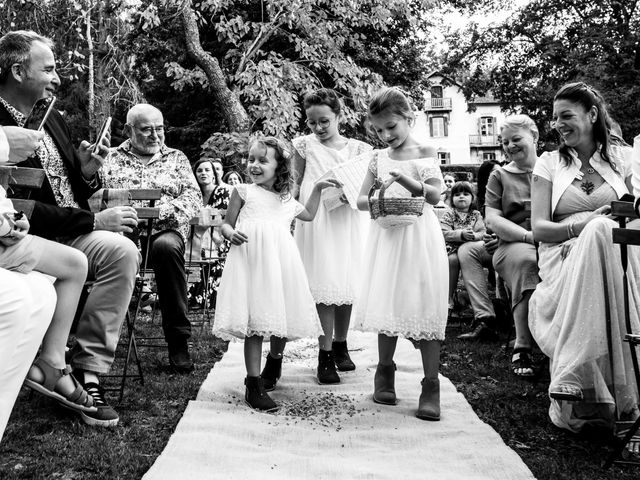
{"points": [[27, 74], [144, 161]]}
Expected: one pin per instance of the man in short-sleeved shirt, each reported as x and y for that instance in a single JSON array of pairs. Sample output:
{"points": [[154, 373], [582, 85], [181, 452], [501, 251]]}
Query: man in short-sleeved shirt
{"points": [[144, 161]]}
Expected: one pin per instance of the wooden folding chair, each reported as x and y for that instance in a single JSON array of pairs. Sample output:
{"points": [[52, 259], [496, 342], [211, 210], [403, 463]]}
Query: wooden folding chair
{"points": [[199, 269], [625, 237], [22, 179], [149, 214]]}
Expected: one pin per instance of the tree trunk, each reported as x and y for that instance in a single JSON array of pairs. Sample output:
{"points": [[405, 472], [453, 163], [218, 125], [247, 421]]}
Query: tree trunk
{"points": [[233, 111], [91, 93]]}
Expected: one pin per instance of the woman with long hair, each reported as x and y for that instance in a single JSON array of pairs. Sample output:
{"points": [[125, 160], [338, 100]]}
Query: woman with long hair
{"points": [[576, 313]]}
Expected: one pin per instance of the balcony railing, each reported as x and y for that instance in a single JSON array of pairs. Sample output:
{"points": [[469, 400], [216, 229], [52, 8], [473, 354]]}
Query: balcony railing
{"points": [[438, 104], [484, 140]]}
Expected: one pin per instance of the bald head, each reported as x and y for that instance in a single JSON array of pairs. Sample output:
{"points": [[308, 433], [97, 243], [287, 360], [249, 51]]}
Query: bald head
{"points": [[141, 110], [145, 128]]}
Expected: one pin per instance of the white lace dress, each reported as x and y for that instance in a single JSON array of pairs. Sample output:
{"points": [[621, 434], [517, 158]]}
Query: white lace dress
{"points": [[331, 246], [405, 283], [264, 289]]}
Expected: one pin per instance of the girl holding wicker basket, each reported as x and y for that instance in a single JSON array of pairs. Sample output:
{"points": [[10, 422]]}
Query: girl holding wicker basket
{"points": [[406, 260]]}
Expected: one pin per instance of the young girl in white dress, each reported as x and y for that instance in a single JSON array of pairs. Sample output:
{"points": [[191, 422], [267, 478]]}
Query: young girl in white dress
{"points": [[264, 289], [331, 246], [406, 269]]}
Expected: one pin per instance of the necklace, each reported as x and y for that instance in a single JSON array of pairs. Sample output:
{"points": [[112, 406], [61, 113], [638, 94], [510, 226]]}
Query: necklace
{"points": [[587, 187]]}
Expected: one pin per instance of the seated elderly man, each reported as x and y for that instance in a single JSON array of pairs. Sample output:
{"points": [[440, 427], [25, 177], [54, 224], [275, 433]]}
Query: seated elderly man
{"points": [[144, 161], [28, 73]]}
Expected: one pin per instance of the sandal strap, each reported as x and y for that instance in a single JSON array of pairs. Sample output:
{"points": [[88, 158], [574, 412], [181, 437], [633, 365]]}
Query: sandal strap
{"points": [[51, 374], [521, 360], [79, 395]]}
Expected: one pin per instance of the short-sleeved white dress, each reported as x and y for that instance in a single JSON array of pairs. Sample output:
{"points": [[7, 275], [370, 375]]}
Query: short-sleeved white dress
{"points": [[264, 289], [405, 285], [330, 246]]}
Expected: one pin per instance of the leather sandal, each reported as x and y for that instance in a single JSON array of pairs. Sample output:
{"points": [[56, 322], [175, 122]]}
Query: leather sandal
{"points": [[521, 362], [78, 400], [568, 393]]}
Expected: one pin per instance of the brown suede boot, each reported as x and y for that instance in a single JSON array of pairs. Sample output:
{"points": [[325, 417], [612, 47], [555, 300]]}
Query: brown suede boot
{"points": [[384, 384], [429, 403]]}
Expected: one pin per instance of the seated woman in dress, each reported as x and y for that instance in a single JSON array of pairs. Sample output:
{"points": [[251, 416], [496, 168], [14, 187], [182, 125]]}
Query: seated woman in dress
{"points": [[206, 245], [576, 313], [514, 259]]}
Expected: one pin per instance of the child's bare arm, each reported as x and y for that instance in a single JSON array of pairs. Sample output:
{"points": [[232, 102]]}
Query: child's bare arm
{"points": [[299, 165], [311, 207], [430, 189], [228, 227], [363, 198]]}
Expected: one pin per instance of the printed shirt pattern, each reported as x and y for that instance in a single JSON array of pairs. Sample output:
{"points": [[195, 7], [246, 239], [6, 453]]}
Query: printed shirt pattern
{"points": [[168, 170], [51, 161]]}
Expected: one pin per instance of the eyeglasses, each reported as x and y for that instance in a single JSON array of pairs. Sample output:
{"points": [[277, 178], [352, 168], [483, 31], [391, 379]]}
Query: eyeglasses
{"points": [[148, 131]]}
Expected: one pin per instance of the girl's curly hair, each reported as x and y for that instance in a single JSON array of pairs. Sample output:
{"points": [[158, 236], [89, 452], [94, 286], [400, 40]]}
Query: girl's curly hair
{"points": [[284, 173]]}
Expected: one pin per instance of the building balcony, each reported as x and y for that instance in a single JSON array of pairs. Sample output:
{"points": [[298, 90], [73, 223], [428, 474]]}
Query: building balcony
{"points": [[484, 141], [437, 104]]}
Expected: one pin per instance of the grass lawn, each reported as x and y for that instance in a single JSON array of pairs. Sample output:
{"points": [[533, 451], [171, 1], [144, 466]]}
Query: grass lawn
{"points": [[45, 441]]}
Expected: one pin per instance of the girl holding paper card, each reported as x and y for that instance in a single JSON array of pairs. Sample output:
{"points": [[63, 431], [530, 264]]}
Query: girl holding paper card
{"points": [[330, 246]]}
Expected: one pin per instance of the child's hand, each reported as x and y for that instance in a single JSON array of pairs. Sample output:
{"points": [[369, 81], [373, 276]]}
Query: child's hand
{"points": [[237, 238], [328, 182], [394, 175], [20, 229], [468, 235]]}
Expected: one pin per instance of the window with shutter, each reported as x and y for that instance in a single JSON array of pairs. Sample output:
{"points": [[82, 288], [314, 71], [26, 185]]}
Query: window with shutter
{"points": [[438, 127]]}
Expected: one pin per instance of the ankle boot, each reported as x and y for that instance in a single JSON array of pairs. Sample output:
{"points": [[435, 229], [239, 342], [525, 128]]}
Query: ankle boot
{"points": [[327, 368], [256, 397], [343, 360], [271, 372], [384, 384], [429, 403]]}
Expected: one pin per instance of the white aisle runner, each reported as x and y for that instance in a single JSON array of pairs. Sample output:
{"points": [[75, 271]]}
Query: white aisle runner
{"points": [[331, 432]]}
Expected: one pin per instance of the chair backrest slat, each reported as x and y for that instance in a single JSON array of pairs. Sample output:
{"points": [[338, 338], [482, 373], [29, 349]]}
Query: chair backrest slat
{"points": [[24, 206], [623, 209], [148, 212], [21, 177], [626, 236], [145, 194]]}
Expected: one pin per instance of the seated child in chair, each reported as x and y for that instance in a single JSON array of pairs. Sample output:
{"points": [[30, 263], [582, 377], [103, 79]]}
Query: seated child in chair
{"points": [[23, 253]]}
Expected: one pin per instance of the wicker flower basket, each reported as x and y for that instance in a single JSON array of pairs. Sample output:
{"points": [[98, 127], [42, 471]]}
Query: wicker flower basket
{"points": [[401, 207]]}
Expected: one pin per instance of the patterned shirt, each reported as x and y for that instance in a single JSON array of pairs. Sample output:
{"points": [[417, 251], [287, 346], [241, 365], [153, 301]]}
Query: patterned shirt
{"points": [[454, 222], [168, 170], [51, 161]]}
